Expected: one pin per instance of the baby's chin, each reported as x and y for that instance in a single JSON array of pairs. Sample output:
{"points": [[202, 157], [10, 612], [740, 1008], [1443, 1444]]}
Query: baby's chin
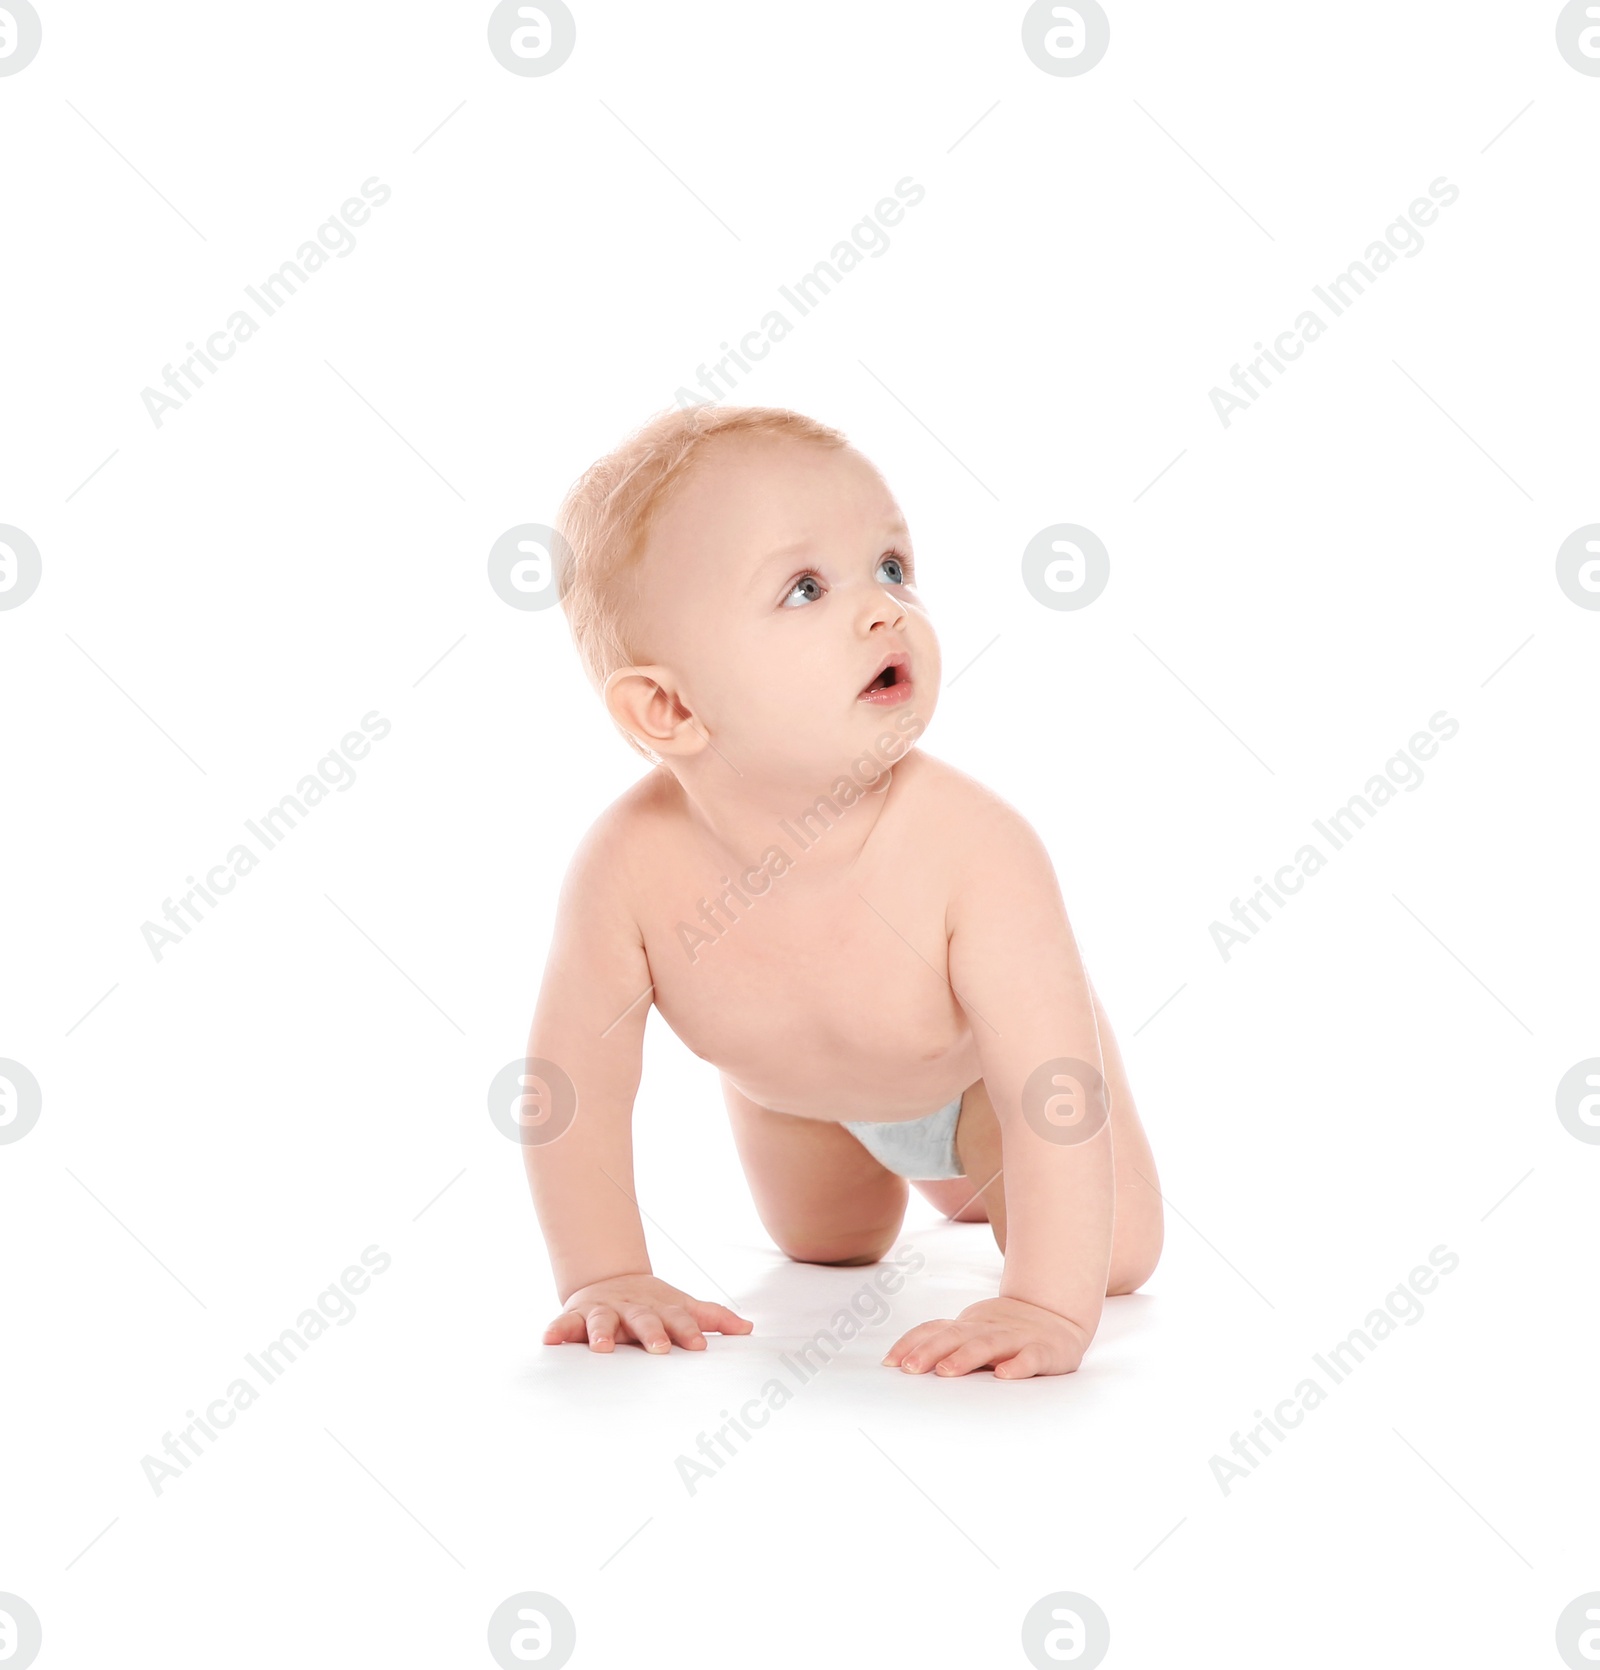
{"points": [[890, 729], [864, 749]]}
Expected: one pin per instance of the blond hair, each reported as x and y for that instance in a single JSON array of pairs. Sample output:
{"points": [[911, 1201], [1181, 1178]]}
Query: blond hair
{"points": [[608, 513]]}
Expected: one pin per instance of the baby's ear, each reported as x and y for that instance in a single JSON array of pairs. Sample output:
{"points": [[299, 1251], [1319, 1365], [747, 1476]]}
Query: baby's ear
{"points": [[645, 703]]}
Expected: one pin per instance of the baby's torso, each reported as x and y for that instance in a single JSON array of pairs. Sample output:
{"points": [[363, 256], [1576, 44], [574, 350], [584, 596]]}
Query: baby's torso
{"points": [[817, 990]]}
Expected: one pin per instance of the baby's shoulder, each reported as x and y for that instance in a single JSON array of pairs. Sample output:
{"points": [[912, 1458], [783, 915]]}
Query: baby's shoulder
{"points": [[969, 815], [995, 867], [632, 825], [645, 808]]}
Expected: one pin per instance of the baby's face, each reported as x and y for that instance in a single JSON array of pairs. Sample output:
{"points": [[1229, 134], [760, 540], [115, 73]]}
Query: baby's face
{"points": [[777, 586]]}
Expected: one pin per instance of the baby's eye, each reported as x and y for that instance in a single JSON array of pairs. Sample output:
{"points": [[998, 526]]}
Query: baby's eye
{"points": [[795, 597], [897, 573]]}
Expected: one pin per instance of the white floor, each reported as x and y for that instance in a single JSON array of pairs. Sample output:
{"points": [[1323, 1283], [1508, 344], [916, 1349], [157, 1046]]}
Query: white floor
{"points": [[426, 1459]]}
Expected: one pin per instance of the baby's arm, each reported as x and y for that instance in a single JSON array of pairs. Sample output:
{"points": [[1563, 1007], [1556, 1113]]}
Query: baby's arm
{"points": [[590, 1023], [1015, 969]]}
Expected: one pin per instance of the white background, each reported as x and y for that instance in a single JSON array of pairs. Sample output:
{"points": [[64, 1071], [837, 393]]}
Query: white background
{"points": [[226, 595]]}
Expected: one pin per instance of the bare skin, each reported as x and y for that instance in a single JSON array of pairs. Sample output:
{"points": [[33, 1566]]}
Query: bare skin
{"points": [[845, 926]]}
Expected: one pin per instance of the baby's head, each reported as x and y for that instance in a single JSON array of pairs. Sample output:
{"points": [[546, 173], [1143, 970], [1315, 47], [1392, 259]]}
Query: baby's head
{"points": [[740, 579]]}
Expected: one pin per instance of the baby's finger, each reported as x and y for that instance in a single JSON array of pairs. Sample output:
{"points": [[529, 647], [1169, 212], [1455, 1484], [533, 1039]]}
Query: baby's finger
{"points": [[646, 1328], [682, 1326], [971, 1354], [718, 1319], [895, 1355], [1028, 1362], [601, 1322], [928, 1344], [567, 1329], [916, 1335]]}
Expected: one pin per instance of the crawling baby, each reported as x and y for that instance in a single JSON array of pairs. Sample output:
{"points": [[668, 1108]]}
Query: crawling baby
{"points": [[869, 945]]}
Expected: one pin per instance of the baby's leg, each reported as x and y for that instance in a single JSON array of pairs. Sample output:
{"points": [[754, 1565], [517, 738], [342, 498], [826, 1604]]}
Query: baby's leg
{"points": [[955, 1196], [1137, 1235], [823, 1198]]}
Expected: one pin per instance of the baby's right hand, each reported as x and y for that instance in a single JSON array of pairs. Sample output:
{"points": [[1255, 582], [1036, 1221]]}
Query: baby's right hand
{"points": [[640, 1308]]}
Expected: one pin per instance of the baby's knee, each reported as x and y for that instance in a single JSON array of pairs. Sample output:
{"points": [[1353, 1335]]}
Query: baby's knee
{"points": [[836, 1249], [1134, 1264]]}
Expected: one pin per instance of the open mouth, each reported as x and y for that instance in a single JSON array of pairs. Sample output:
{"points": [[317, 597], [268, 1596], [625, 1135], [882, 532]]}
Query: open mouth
{"points": [[890, 684]]}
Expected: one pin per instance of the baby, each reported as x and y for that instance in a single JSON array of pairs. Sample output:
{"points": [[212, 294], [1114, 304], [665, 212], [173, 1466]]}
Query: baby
{"points": [[869, 945]]}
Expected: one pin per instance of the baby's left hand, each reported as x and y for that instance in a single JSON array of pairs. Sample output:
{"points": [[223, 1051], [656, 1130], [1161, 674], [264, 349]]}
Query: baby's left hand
{"points": [[1019, 1339]]}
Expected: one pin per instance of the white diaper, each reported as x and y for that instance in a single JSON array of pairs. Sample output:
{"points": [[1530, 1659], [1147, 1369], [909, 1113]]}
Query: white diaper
{"points": [[923, 1149]]}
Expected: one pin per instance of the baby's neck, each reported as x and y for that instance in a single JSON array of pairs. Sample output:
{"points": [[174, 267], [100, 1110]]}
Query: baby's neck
{"points": [[743, 816]]}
